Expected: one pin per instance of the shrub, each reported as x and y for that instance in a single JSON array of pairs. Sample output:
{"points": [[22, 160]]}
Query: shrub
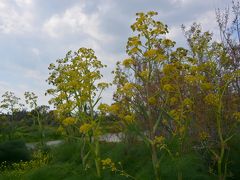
{"points": [[14, 151]]}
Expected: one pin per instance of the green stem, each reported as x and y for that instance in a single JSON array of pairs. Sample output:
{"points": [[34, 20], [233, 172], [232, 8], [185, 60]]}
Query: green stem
{"points": [[155, 162]]}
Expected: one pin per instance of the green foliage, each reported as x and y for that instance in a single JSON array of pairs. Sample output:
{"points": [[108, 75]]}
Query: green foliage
{"points": [[176, 108], [14, 151]]}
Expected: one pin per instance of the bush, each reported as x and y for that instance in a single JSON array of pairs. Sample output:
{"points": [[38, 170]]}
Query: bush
{"points": [[14, 151]]}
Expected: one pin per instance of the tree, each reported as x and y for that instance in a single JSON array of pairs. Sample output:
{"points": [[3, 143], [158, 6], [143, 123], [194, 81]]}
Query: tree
{"points": [[77, 91], [11, 104], [31, 100], [214, 95], [140, 96], [230, 37]]}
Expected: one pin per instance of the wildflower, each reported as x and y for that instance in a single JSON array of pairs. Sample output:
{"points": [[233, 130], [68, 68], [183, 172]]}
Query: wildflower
{"points": [[159, 141], [168, 87], [152, 101], [190, 79], [85, 128], [187, 103], [103, 108], [129, 118], [69, 121], [168, 42], [114, 108], [150, 53], [127, 87], [128, 62], [206, 86], [212, 99], [168, 69], [108, 163], [160, 57], [175, 114], [173, 100], [203, 135], [165, 122], [103, 85], [144, 74]]}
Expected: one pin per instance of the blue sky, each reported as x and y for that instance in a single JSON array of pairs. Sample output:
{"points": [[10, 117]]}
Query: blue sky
{"points": [[34, 33]]}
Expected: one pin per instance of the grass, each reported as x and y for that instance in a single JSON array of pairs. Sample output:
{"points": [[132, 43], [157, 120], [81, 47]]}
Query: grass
{"points": [[135, 160]]}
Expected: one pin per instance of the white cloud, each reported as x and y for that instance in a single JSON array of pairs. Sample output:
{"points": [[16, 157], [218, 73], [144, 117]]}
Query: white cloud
{"points": [[15, 19], [75, 21], [24, 3]]}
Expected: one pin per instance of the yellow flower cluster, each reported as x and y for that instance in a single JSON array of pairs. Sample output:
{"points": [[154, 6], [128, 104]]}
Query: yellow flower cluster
{"points": [[150, 53], [114, 108], [159, 140], [39, 160], [128, 62], [129, 118], [168, 88], [168, 42], [187, 103], [203, 136], [175, 114], [190, 79], [168, 69], [152, 101], [206, 86], [102, 85], [109, 164], [173, 100], [85, 128], [144, 74], [127, 87], [69, 121], [212, 99], [103, 108]]}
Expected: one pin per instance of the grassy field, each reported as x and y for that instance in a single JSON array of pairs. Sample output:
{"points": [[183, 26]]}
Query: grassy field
{"points": [[65, 163]]}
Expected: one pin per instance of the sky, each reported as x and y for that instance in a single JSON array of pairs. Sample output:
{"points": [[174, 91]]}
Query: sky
{"points": [[35, 33]]}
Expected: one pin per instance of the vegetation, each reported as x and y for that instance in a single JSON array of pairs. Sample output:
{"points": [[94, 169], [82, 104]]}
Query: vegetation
{"points": [[176, 111]]}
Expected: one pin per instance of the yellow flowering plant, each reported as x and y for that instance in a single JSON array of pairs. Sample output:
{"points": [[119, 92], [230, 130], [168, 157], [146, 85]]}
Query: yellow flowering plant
{"points": [[76, 92]]}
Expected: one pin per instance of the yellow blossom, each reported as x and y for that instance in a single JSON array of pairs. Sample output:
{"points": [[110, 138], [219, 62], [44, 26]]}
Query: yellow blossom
{"points": [[165, 122], [129, 118], [168, 87], [128, 62], [212, 99], [144, 74], [159, 140], [152, 101], [173, 100], [103, 108], [203, 135], [150, 53], [206, 86], [109, 164], [127, 87], [85, 128], [114, 108], [69, 121]]}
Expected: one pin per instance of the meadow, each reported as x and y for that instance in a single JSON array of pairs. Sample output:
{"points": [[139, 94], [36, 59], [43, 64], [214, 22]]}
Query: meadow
{"points": [[177, 110]]}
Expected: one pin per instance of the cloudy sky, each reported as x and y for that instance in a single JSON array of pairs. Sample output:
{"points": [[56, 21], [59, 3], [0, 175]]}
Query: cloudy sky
{"points": [[34, 33]]}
